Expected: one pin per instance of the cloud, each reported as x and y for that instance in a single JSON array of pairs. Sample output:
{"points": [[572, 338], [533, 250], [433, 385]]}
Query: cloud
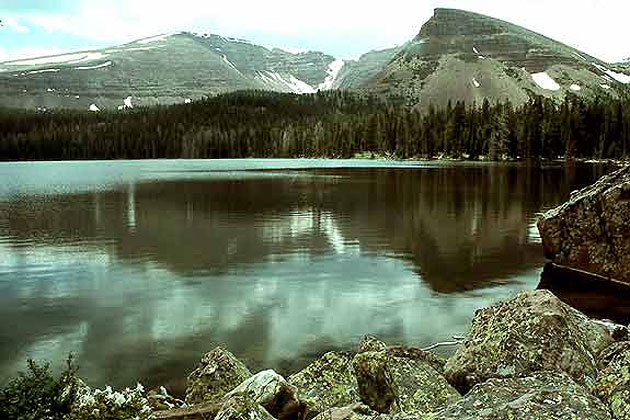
{"points": [[14, 25], [336, 26]]}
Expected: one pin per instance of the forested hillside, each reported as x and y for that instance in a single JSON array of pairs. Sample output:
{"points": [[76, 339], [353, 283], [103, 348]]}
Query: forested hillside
{"points": [[325, 124]]}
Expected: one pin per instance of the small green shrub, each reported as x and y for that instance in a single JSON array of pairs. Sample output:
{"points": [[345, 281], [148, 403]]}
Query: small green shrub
{"points": [[36, 394]]}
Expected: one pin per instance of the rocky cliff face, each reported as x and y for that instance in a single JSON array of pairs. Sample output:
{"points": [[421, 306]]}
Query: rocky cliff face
{"points": [[591, 231], [465, 56]]}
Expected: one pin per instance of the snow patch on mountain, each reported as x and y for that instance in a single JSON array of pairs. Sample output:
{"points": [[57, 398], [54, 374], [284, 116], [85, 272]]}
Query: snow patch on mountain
{"points": [[144, 48], [229, 63], [333, 71], [94, 108], [44, 71], [127, 102], [620, 77], [293, 84], [98, 66], [544, 81], [66, 58], [157, 38], [575, 88], [605, 87]]}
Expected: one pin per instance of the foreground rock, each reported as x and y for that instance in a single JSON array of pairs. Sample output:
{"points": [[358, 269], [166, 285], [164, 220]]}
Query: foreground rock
{"points": [[401, 382], [217, 374], [273, 392], [240, 407], [530, 332], [326, 383], [613, 383], [352, 412], [544, 395], [592, 230]]}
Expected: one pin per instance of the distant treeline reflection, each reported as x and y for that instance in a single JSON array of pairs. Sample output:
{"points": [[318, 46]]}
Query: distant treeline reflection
{"points": [[325, 124]]}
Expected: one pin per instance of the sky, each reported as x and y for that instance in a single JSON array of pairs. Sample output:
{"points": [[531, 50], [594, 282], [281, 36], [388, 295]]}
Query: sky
{"points": [[343, 28]]}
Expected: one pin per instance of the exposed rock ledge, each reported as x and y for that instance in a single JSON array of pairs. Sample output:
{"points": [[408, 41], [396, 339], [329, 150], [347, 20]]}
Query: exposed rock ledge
{"points": [[530, 357], [591, 231]]}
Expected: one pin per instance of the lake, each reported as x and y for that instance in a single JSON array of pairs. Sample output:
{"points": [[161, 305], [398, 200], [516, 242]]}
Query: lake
{"points": [[139, 267]]}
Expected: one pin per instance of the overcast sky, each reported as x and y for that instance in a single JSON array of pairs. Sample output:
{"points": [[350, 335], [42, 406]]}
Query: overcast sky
{"points": [[344, 28]]}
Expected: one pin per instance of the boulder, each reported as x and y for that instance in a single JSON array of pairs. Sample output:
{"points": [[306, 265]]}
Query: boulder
{"points": [[326, 383], [356, 411], [544, 395], [591, 231], [371, 343], [401, 382], [219, 372], [532, 331], [273, 392], [613, 383], [240, 407]]}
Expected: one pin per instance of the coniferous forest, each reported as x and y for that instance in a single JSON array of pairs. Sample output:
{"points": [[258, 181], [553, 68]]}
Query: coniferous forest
{"points": [[334, 124]]}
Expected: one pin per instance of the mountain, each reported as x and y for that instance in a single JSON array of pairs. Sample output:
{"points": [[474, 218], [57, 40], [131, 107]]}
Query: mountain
{"points": [[164, 69], [460, 55], [457, 55]]}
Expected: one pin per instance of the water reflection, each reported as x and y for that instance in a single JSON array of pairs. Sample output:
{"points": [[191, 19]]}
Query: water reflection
{"points": [[140, 279]]}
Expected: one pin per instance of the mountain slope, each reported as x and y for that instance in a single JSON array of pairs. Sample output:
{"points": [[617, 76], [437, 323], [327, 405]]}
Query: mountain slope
{"points": [[159, 70], [460, 55]]}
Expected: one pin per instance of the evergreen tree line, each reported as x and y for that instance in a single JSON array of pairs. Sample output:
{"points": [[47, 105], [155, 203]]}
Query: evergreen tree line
{"points": [[326, 124]]}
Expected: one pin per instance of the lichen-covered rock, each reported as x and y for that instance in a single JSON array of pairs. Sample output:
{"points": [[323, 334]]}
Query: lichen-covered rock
{"points": [[371, 343], [591, 231], [613, 383], [219, 372], [273, 392], [326, 383], [532, 331], [240, 407], [544, 395], [356, 411], [400, 382], [435, 361]]}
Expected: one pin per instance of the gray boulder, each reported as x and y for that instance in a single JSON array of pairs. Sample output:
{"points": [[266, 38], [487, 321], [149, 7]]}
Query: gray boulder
{"points": [[613, 383], [532, 331], [544, 395], [273, 392], [352, 412], [218, 372], [591, 231], [240, 407], [326, 383], [401, 382]]}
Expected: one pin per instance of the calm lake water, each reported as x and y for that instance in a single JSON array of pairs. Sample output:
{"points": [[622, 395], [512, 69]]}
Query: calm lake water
{"points": [[139, 267]]}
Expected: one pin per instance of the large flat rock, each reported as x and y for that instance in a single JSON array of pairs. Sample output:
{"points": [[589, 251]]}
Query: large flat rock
{"points": [[591, 231]]}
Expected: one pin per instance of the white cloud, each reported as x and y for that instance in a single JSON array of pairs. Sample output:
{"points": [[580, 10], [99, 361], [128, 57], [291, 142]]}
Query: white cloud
{"points": [[335, 24], [14, 25]]}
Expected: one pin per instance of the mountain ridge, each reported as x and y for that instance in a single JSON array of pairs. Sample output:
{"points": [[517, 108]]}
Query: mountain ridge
{"points": [[456, 56]]}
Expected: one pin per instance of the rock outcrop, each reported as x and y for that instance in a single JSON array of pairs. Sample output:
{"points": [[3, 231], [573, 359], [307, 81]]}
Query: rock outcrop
{"points": [[530, 332], [400, 382], [240, 407], [326, 383], [613, 383], [273, 392], [352, 412], [544, 395], [217, 374], [591, 231]]}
